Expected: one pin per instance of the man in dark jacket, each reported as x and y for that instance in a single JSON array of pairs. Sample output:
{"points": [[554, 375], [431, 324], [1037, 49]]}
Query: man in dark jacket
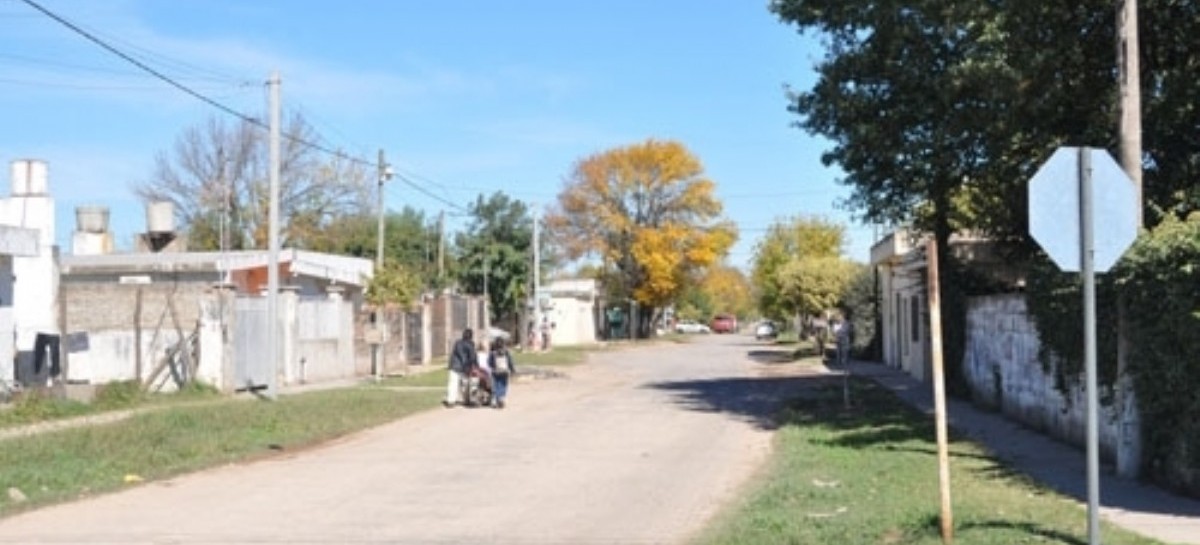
{"points": [[462, 359]]}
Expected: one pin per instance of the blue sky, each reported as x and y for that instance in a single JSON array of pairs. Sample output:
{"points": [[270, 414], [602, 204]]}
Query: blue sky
{"points": [[466, 97]]}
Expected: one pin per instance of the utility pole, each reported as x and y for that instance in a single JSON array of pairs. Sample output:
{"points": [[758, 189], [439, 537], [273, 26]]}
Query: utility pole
{"points": [[441, 244], [384, 174], [273, 243], [537, 261], [946, 520], [1130, 156], [1130, 86]]}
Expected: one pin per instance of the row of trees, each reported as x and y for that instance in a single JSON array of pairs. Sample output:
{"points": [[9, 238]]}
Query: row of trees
{"points": [[800, 270], [642, 219]]}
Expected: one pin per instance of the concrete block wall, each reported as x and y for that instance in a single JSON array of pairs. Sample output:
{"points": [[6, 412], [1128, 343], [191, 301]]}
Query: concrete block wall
{"points": [[103, 312], [1003, 370]]}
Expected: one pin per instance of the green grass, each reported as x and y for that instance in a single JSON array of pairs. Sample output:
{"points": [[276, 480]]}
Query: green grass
{"points": [[68, 464], [869, 476], [42, 405]]}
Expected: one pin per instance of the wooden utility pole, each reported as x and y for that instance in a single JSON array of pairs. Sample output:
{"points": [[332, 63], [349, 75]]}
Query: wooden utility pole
{"points": [[939, 392]]}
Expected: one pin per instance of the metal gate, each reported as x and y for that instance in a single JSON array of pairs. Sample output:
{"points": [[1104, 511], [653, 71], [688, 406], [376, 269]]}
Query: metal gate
{"points": [[413, 345], [251, 370]]}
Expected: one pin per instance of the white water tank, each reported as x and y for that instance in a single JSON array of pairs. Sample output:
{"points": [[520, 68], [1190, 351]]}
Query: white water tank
{"points": [[28, 177], [160, 217], [91, 219]]}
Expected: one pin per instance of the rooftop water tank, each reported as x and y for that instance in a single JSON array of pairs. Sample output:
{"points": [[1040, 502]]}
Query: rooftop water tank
{"points": [[91, 219], [28, 177], [160, 217]]}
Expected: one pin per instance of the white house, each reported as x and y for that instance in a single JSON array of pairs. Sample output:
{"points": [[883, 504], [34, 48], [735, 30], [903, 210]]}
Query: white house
{"points": [[28, 272], [571, 306]]}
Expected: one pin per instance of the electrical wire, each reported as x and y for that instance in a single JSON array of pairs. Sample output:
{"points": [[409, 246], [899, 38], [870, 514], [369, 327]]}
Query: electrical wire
{"points": [[407, 180]]}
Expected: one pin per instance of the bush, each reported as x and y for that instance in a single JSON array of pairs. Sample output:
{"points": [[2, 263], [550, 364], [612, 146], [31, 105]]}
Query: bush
{"points": [[1158, 282]]}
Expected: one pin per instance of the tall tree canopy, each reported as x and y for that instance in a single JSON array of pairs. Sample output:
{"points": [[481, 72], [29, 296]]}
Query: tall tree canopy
{"points": [[217, 177], [648, 213], [789, 265], [496, 249], [410, 241], [940, 111]]}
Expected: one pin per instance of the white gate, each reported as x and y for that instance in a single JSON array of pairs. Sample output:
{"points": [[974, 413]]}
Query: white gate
{"points": [[251, 370]]}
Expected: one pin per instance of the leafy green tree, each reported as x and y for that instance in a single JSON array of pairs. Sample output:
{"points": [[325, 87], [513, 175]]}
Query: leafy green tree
{"points": [[797, 238], [394, 284], [410, 240], [496, 248]]}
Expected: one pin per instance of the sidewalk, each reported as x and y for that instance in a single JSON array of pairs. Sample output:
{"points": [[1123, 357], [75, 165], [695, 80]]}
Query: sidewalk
{"points": [[1139, 508]]}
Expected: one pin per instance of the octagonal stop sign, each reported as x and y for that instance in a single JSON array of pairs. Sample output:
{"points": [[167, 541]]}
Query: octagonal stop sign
{"points": [[1055, 212]]}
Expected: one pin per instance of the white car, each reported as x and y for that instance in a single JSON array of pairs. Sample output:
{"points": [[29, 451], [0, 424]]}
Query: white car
{"points": [[691, 326], [766, 330]]}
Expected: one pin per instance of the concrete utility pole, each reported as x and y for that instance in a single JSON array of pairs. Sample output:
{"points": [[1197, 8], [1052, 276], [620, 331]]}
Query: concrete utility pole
{"points": [[385, 174], [273, 243], [1130, 156], [377, 354], [441, 244], [1130, 84], [537, 268]]}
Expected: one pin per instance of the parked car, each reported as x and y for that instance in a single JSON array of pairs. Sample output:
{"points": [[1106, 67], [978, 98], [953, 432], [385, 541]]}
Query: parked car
{"points": [[723, 323], [766, 330], [691, 326]]}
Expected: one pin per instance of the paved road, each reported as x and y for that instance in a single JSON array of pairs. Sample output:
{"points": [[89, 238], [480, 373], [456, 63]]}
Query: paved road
{"points": [[640, 446]]}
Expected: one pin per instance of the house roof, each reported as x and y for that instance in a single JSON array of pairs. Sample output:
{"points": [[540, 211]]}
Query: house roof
{"points": [[341, 269]]}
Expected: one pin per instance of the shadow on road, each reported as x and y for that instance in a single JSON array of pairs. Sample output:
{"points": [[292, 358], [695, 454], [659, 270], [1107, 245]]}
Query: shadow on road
{"points": [[756, 400]]}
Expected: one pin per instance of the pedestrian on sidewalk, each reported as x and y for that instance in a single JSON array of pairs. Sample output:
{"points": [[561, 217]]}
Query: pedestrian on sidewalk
{"points": [[463, 358], [844, 333], [503, 367]]}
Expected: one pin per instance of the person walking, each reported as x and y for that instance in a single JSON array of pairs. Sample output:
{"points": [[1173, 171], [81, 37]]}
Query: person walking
{"points": [[844, 333], [463, 358], [483, 368], [501, 362]]}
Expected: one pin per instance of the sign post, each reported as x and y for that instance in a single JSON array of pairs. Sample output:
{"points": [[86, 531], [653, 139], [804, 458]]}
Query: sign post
{"points": [[1086, 182]]}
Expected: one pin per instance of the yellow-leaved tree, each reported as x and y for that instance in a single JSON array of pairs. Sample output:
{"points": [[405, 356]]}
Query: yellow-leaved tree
{"points": [[648, 214]]}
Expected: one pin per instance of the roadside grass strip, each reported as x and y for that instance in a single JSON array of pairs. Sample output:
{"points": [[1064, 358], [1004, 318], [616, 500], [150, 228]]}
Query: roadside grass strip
{"points": [[74, 463], [868, 475]]}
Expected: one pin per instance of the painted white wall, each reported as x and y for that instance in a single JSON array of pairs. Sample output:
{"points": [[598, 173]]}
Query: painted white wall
{"points": [[35, 277], [1003, 370], [573, 311]]}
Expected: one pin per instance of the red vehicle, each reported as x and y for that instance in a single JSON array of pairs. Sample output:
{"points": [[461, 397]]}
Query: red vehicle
{"points": [[723, 323]]}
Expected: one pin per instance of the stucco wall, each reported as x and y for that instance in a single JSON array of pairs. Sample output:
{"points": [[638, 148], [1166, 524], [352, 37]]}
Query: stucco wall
{"points": [[1002, 368]]}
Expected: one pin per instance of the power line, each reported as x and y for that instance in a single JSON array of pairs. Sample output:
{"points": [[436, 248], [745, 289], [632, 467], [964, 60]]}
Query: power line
{"points": [[188, 90], [148, 69], [228, 110]]}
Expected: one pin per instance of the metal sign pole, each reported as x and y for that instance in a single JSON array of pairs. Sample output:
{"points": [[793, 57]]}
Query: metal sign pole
{"points": [[1086, 264]]}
